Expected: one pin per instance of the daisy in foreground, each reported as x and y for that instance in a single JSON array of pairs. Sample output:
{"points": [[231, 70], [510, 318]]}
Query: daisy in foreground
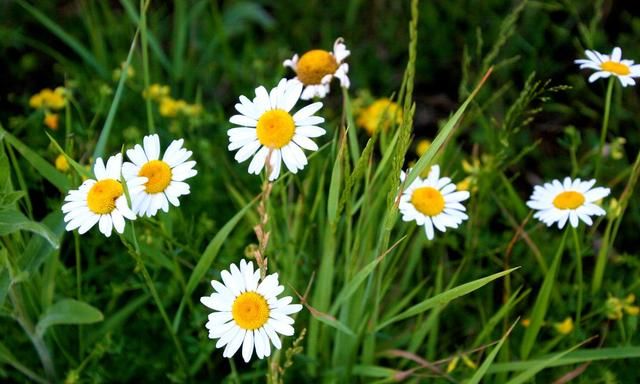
{"points": [[101, 200], [267, 126], [571, 200], [433, 202], [248, 312], [165, 177], [606, 66], [317, 67]]}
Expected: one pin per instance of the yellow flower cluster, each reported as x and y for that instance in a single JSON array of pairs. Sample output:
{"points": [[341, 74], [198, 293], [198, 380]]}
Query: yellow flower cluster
{"points": [[168, 106], [61, 163], [49, 99], [565, 327], [616, 308], [381, 113]]}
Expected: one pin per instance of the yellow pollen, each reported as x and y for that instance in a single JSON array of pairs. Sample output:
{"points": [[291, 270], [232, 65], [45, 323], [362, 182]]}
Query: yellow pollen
{"points": [[568, 200], [616, 68], [103, 195], [314, 65], [275, 128], [428, 201], [250, 310], [159, 175]]}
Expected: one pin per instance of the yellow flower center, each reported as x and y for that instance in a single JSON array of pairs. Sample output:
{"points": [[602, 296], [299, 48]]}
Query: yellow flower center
{"points": [[159, 175], [314, 65], [250, 311], [275, 128], [428, 201], [568, 200], [103, 195], [616, 68]]}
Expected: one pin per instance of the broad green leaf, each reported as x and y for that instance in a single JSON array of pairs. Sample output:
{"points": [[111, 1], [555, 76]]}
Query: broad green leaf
{"points": [[68, 311], [38, 250], [444, 298], [208, 257], [12, 220], [44, 168]]}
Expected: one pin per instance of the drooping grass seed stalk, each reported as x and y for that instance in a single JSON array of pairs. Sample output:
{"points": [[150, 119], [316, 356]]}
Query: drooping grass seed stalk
{"points": [[261, 228], [605, 126]]}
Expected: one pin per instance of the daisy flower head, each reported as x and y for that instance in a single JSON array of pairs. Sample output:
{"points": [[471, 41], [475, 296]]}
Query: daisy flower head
{"points": [[164, 177], [608, 65], [248, 313], [571, 200], [268, 131], [433, 202], [316, 68], [102, 200]]}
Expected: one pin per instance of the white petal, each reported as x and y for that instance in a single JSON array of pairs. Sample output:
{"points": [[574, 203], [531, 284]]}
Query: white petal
{"points": [[152, 146], [247, 346]]}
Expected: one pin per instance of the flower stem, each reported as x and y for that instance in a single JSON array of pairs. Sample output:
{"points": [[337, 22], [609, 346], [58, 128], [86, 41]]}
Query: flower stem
{"points": [[154, 293], [605, 126], [76, 239], [576, 241]]}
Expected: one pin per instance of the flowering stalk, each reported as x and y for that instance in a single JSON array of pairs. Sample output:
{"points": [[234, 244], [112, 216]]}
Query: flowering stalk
{"points": [[260, 228], [605, 126]]}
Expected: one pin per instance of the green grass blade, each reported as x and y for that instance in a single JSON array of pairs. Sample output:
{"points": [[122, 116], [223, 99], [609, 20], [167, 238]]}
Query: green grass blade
{"points": [[108, 123], [542, 302], [539, 365], [444, 298], [482, 370], [71, 41], [44, 168], [576, 357]]}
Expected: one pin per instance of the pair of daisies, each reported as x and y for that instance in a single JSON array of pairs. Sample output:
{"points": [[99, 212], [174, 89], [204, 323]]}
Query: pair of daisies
{"points": [[268, 130], [434, 202], [151, 182]]}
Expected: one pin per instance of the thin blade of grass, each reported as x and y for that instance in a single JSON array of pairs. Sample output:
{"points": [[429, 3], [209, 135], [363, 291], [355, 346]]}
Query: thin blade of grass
{"points": [[482, 370], [444, 298]]}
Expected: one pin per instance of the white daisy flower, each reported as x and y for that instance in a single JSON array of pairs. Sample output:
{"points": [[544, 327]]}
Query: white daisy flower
{"points": [[165, 177], [248, 312], [569, 200], [101, 200], [267, 129], [433, 202], [317, 67], [606, 66]]}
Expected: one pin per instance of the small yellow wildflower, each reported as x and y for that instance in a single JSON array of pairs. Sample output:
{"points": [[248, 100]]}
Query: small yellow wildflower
{"points": [[525, 322], [193, 110], [61, 163], [49, 99], [565, 327], [468, 362], [615, 209], [382, 113], [51, 120], [615, 307], [422, 147], [617, 150], [156, 92], [170, 107], [118, 71], [465, 184], [453, 364]]}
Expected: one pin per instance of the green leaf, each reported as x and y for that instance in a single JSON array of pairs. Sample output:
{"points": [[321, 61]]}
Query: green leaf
{"points": [[373, 371], [43, 167], [208, 257], [444, 298], [68, 311], [332, 322], [12, 220]]}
